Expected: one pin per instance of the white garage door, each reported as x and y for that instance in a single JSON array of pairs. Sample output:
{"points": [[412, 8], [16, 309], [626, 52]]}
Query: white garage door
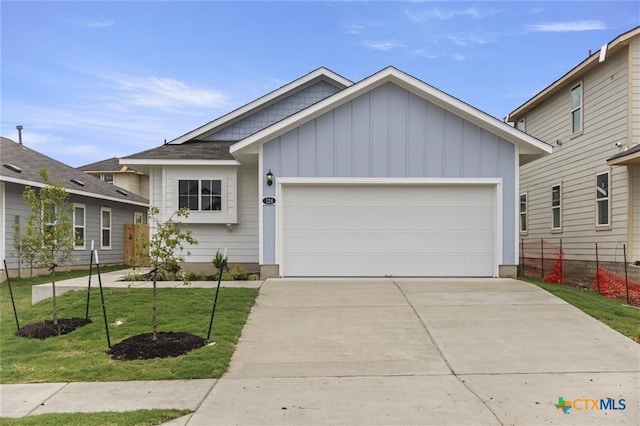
{"points": [[381, 230]]}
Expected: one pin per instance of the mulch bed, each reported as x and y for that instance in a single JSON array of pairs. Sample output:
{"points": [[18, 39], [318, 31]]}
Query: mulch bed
{"points": [[45, 329], [167, 344]]}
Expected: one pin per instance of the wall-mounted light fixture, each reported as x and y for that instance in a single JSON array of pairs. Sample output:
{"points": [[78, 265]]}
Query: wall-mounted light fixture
{"points": [[269, 178], [558, 142]]}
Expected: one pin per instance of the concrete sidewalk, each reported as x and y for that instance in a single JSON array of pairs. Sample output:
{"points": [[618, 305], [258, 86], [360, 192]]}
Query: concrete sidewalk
{"points": [[391, 351]]}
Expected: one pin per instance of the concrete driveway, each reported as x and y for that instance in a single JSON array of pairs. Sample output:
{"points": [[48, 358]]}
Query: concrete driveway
{"points": [[423, 351]]}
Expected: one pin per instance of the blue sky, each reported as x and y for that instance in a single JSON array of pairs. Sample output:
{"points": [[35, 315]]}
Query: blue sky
{"points": [[93, 80]]}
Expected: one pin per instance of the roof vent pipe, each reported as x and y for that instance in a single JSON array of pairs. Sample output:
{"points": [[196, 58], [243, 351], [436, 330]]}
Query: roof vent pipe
{"points": [[19, 127]]}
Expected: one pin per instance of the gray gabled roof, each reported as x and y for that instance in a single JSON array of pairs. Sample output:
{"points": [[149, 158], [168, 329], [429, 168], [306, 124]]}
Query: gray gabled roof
{"points": [[20, 164], [109, 165], [201, 150], [628, 156]]}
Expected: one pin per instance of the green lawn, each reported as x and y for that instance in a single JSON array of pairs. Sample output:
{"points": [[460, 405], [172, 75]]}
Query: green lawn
{"points": [[617, 315], [127, 418], [80, 355]]}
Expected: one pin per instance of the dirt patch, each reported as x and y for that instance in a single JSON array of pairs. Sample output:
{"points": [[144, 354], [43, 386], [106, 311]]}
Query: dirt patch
{"points": [[167, 344], [45, 329]]}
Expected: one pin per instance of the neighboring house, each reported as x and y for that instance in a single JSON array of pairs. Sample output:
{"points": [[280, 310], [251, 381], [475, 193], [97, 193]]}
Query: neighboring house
{"points": [[588, 190], [100, 209], [125, 177], [324, 177]]}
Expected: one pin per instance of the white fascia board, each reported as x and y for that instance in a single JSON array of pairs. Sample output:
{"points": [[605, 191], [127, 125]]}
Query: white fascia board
{"points": [[74, 191], [262, 101], [176, 162], [528, 144]]}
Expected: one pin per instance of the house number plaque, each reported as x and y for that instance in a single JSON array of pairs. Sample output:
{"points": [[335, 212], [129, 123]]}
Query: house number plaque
{"points": [[268, 200]]}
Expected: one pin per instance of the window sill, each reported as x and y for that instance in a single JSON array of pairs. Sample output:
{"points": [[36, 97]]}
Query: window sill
{"points": [[210, 217], [556, 230], [576, 134], [603, 228]]}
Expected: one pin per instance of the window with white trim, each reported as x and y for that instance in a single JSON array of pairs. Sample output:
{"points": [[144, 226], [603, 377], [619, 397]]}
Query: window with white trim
{"points": [[523, 213], [576, 108], [105, 228], [556, 207], [79, 226], [602, 199], [200, 195]]}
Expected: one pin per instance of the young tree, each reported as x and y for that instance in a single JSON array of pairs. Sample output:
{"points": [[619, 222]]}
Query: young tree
{"points": [[166, 251], [47, 238]]}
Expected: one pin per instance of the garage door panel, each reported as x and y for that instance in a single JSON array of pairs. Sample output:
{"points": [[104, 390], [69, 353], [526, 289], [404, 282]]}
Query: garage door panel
{"points": [[378, 230]]}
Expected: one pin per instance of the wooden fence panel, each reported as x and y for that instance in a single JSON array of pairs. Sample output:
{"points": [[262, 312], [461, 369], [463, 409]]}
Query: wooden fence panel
{"points": [[136, 246]]}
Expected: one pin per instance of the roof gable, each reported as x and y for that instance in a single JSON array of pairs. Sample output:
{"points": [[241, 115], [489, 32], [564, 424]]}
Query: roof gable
{"points": [[25, 164], [579, 70], [529, 146], [320, 75]]}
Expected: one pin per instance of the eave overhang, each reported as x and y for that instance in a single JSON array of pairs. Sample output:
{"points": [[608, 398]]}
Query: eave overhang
{"points": [[574, 74]]}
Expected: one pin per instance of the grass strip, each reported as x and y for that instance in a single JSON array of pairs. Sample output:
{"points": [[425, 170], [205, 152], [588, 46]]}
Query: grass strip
{"points": [[616, 314], [126, 418]]}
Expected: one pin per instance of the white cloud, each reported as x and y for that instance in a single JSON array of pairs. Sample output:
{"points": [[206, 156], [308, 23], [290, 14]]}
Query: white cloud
{"points": [[354, 29], [424, 54], [464, 41], [162, 93], [444, 14], [384, 46], [458, 57], [100, 23], [569, 26]]}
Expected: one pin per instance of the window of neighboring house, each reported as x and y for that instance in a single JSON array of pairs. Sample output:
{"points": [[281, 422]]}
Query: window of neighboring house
{"points": [[602, 199], [523, 212], [79, 220], [556, 207], [202, 195], [520, 125], [137, 218], [576, 108], [108, 177], [105, 228]]}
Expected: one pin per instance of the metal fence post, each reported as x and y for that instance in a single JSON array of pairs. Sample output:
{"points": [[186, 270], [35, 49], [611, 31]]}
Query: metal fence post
{"points": [[626, 277], [561, 263], [522, 256], [541, 258], [597, 270]]}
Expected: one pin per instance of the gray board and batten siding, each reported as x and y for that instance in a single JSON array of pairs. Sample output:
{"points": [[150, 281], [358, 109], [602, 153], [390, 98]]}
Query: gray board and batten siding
{"points": [[391, 132]]}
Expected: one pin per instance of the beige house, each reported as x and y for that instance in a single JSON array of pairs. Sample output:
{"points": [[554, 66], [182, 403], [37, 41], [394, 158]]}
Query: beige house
{"points": [[125, 177], [588, 190]]}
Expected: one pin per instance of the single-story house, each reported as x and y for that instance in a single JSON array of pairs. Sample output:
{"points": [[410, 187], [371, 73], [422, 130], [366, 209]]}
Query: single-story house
{"points": [[388, 176], [100, 209]]}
